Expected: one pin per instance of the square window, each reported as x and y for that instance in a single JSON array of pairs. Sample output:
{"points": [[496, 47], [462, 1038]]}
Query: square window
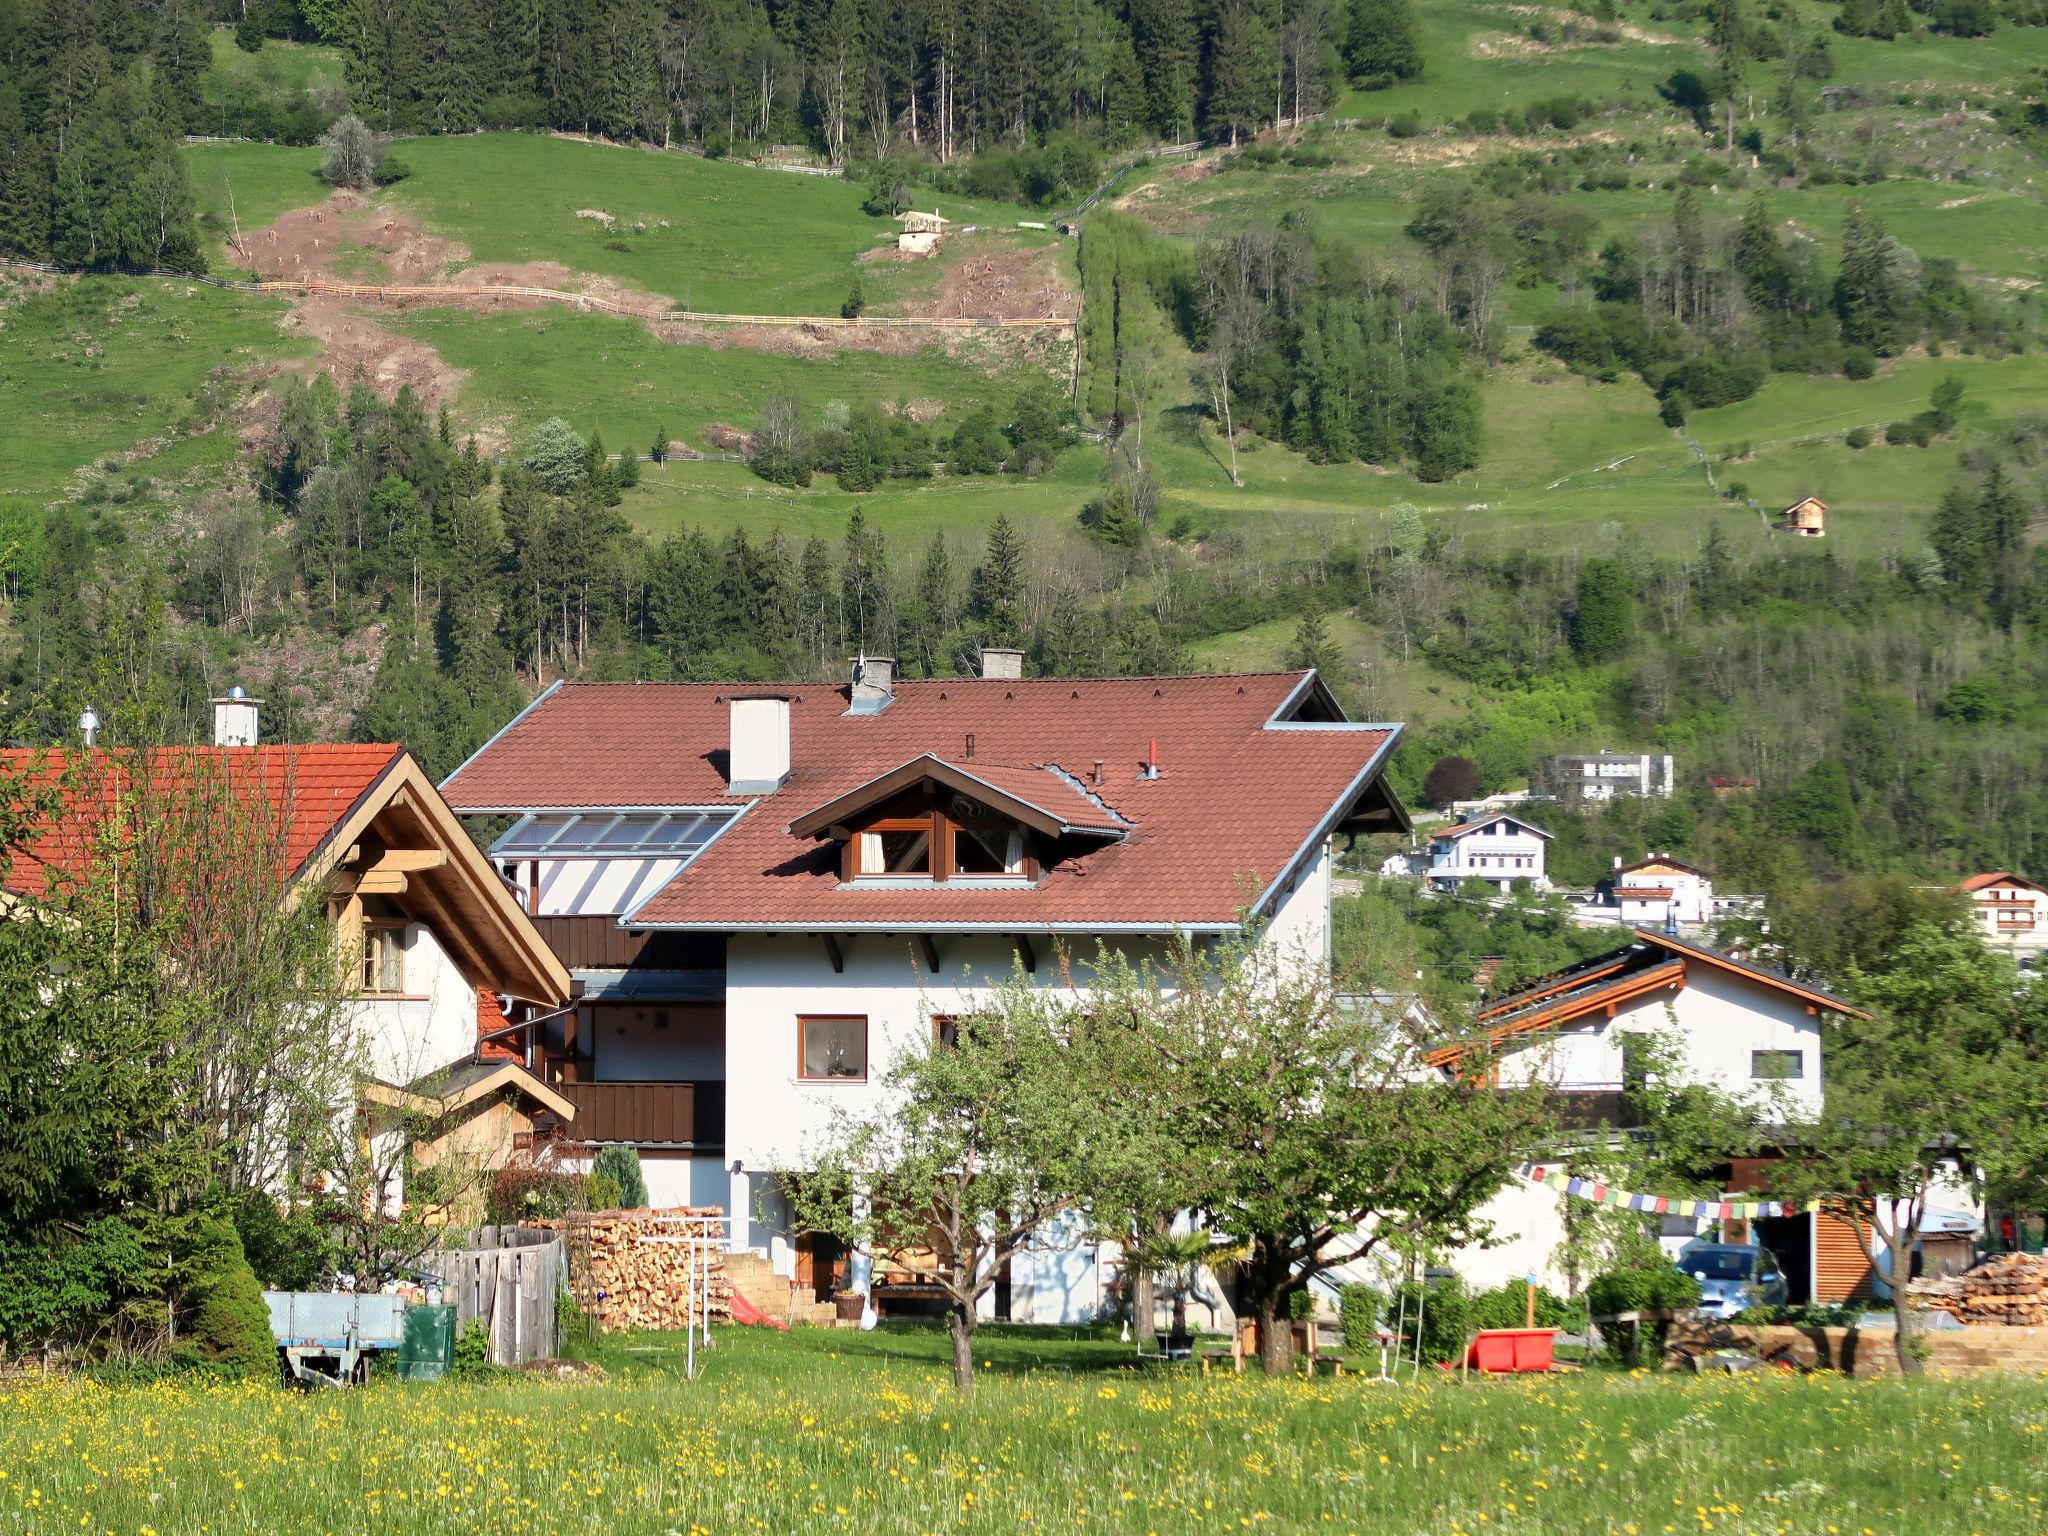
{"points": [[988, 851], [1777, 1066], [832, 1048], [383, 967], [896, 851], [945, 1031]]}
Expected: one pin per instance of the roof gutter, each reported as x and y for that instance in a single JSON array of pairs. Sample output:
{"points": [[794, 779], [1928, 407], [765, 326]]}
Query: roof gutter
{"points": [[840, 925]]}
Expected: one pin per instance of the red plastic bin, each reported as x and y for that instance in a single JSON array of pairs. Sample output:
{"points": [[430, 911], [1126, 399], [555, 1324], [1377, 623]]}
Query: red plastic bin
{"points": [[1512, 1349]]}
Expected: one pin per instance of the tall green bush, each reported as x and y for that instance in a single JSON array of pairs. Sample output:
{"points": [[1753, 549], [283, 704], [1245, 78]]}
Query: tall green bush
{"points": [[622, 1166], [1361, 1307], [227, 1322]]}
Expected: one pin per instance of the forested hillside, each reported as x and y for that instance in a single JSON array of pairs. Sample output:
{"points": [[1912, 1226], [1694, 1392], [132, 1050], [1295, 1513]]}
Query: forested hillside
{"points": [[1469, 358]]}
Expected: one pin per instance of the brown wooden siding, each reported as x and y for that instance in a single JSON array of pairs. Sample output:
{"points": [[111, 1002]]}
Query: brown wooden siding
{"points": [[600, 944], [1840, 1271], [675, 1114]]}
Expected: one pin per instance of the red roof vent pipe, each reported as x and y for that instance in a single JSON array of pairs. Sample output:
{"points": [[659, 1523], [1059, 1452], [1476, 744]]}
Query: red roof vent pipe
{"points": [[1152, 759], [970, 743]]}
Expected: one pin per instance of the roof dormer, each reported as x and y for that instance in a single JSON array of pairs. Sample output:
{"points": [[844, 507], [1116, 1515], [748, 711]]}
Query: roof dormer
{"points": [[929, 821]]}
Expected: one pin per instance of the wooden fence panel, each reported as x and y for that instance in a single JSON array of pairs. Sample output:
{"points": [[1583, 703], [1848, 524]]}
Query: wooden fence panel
{"points": [[509, 1281]]}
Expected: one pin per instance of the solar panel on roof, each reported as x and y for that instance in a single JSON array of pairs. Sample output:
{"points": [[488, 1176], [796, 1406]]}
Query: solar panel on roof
{"points": [[611, 834]]}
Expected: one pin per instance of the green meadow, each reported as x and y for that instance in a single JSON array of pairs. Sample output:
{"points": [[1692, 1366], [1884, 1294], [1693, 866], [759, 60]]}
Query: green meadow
{"points": [[826, 1430], [105, 366]]}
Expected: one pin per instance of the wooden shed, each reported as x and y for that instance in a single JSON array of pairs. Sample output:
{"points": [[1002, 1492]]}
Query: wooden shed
{"points": [[922, 232], [1807, 517]]}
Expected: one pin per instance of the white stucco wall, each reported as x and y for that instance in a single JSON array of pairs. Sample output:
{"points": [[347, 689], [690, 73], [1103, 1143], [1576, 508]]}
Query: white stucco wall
{"points": [[432, 1026], [631, 1043]]}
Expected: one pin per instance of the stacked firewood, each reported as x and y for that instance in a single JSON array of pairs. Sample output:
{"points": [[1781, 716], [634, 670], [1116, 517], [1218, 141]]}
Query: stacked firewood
{"points": [[2010, 1291], [637, 1273], [1942, 1293]]}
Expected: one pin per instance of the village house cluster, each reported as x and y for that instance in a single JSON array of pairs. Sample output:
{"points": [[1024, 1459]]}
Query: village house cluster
{"points": [[710, 915]]}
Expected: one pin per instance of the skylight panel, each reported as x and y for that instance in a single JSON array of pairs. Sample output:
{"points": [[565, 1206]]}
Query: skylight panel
{"points": [[612, 834]]}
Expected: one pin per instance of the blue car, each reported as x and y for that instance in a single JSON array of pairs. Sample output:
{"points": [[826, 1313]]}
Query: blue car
{"points": [[1733, 1277]]}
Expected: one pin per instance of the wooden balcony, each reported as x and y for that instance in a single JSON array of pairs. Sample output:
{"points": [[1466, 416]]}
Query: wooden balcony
{"points": [[600, 944], [649, 1114]]}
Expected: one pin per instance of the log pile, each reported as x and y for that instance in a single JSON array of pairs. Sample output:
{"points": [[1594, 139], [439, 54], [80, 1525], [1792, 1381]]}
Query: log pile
{"points": [[2009, 1291], [631, 1278]]}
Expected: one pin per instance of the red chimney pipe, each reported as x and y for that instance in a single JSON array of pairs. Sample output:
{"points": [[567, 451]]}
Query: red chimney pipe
{"points": [[1152, 759]]}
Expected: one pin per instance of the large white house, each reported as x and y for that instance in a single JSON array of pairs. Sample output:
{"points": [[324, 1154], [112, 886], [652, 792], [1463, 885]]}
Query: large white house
{"points": [[1500, 850], [769, 891], [1593, 1030], [1605, 775]]}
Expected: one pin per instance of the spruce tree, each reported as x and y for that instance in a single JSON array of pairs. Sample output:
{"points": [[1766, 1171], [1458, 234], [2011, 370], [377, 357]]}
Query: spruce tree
{"points": [[1312, 645], [997, 592], [24, 182], [1167, 46], [1240, 64], [1605, 621]]}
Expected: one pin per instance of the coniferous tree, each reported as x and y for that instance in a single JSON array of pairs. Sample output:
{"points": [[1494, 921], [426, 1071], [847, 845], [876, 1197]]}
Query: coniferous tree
{"points": [[1870, 295], [24, 181], [928, 614], [1167, 46], [1383, 44], [996, 597], [1240, 64]]}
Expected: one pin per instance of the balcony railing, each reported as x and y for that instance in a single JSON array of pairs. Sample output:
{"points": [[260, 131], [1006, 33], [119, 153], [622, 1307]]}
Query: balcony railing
{"points": [[649, 1114], [1597, 1106]]}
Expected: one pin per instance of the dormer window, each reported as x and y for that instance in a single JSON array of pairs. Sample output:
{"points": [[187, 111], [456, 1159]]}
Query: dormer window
{"points": [[988, 849], [897, 848], [936, 846], [932, 821]]}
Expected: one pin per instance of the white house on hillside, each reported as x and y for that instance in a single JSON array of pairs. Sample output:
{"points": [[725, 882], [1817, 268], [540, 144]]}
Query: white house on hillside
{"points": [[2012, 913], [1660, 891], [770, 891], [1499, 850], [1605, 775]]}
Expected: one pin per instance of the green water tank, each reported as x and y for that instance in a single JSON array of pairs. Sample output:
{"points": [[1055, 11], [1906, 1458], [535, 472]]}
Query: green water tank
{"points": [[428, 1348]]}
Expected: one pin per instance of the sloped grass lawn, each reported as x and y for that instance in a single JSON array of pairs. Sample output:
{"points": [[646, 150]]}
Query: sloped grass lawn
{"points": [[92, 367], [614, 376], [835, 1431]]}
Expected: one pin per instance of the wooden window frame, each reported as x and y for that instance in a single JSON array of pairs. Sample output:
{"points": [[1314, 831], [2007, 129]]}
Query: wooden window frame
{"points": [[941, 1022], [373, 928], [940, 862], [804, 1020]]}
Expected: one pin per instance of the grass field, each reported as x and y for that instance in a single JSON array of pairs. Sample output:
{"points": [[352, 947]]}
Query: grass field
{"points": [[614, 376], [95, 368], [831, 1431], [1545, 473]]}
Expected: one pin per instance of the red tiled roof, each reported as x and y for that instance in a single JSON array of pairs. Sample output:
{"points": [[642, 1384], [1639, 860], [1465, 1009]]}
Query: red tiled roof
{"points": [[1060, 803], [1996, 877], [1235, 803], [1486, 821], [310, 788], [490, 1020], [1642, 893]]}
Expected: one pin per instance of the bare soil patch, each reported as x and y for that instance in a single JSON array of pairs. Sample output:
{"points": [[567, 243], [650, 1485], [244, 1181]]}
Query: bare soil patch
{"points": [[350, 341], [1006, 284]]}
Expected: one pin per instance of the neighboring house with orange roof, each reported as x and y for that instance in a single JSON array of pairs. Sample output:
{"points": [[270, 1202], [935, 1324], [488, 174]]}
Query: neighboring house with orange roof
{"points": [[1499, 850], [444, 969], [771, 891], [2012, 913], [1749, 1031]]}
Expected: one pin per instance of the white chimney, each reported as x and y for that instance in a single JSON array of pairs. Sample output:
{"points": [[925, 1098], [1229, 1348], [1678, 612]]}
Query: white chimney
{"points": [[1001, 661], [234, 719], [89, 726], [874, 685], [757, 757]]}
